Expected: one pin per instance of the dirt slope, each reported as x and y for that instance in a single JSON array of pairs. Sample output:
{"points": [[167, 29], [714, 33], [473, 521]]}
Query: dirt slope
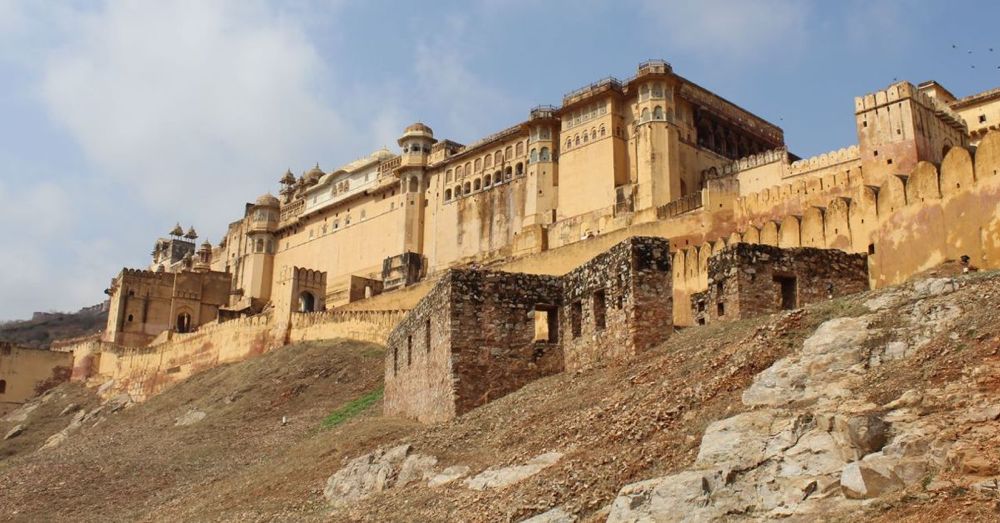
{"points": [[615, 426], [41, 331]]}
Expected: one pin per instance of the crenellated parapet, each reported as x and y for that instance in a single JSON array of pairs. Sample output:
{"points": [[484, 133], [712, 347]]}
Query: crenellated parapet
{"points": [[900, 91], [833, 158], [756, 160]]}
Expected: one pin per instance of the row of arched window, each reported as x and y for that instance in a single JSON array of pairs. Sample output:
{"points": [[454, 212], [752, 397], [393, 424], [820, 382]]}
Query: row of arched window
{"points": [[658, 114], [655, 91], [586, 136], [485, 182], [486, 162], [544, 155], [585, 114]]}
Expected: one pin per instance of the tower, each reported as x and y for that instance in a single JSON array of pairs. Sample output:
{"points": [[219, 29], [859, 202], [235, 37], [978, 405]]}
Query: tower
{"points": [[416, 143], [655, 135], [258, 268], [543, 169], [900, 126]]}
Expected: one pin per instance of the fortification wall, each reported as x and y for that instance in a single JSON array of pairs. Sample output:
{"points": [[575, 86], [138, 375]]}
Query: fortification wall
{"points": [[26, 372], [907, 224], [373, 326]]}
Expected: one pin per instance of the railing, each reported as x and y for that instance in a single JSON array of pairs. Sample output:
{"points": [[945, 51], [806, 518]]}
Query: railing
{"points": [[680, 206], [543, 111], [609, 81]]}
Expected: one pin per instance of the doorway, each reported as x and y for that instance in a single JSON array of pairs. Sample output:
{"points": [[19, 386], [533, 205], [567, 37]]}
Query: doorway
{"points": [[789, 291]]}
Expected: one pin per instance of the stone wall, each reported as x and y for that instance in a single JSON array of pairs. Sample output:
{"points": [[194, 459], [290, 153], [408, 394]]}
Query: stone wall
{"points": [[747, 280], [373, 326], [617, 304], [471, 340], [26, 372]]}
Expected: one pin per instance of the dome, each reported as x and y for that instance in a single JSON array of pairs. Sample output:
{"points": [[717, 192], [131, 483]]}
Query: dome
{"points": [[267, 200], [314, 174], [177, 230], [288, 178], [206, 245], [191, 234], [418, 127]]}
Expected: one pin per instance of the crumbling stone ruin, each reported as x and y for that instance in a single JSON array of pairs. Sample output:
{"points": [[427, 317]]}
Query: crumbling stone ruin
{"points": [[746, 280]]}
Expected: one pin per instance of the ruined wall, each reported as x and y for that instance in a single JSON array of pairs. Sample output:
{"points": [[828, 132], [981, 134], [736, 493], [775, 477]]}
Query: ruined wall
{"points": [[617, 304], [747, 280], [25, 373], [482, 346]]}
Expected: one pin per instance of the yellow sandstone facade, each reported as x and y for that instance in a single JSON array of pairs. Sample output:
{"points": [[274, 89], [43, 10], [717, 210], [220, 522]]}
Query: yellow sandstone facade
{"points": [[655, 155]]}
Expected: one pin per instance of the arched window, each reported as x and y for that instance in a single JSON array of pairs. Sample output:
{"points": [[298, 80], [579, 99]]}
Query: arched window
{"points": [[498, 157], [458, 172], [259, 245], [487, 181], [546, 134], [479, 165], [658, 90], [643, 92], [520, 149], [533, 156], [657, 113], [447, 176], [467, 188], [468, 167], [487, 161], [602, 131], [497, 177], [618, 132], [519, 169], [585, 137], [569, 143], [3, 386], [644, 115], [447, 194], [414, 184], [508, 153], [508, 173], [593, 134], [576, 140], [458, 191], [183, 322], [307, 302], [476, 185], [545, 154]]}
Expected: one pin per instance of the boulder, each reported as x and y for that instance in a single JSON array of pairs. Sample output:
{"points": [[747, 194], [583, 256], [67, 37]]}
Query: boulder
{"points": [[365, 475], [556, 515], [14, 432], [69, 408], [190, 418], [499, 478], [867, 479], [416, 467], [120, 401], [448, 475]]}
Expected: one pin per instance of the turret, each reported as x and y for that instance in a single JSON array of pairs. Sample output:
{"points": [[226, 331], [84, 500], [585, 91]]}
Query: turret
{"points": [[416, 144]]}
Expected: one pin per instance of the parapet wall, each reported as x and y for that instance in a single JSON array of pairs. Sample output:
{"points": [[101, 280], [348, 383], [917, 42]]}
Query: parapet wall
{"points": [[373, 326]]}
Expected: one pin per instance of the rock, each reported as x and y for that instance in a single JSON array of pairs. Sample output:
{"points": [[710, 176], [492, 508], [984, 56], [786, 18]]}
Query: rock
{"points": [[21, 413], [742, 440], [415, 467], [119, 401], [680, 497], [365, 475], [866, 480], [983, 414], [934, 287], [556, 515], [448, 475], [69, 408], [14, 432], [866, 433], [190, 418], [499, 478], [910, 398], [105, 387]]}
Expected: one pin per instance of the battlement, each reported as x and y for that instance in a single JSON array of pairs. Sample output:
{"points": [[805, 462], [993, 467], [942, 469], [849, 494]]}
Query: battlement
{"points": [[756, 160], [829, 159], [901, 91]]}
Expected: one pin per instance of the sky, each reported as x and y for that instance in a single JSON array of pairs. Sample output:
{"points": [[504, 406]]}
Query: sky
{"points": [[120, 118]]}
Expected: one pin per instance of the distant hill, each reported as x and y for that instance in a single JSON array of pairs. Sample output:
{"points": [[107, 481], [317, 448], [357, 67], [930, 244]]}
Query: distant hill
{"points": [[45, 327]]}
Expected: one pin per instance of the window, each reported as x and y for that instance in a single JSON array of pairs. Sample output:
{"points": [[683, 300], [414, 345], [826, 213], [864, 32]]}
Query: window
{"points": [[721, 309], [477, 185], [130, 317], [447, 176], [427, 336], [409, 351], [602, 131], [487, 161], [533, 156], [479, 165], [458, 172], [576, 319], [508, 153], [546, 324], [519, 151], [644, 115], [395, 360], [307, 302], [447, 194], [458, 191], [585, 138], [545, 156], [593, 134], [3, 386], [508, 173], [487, 181], [982, 118], [183, 322], [600, 310], [519, 169], [569, 143], [498, 157], [657, 113], [468, 167], [576, 140], [467, 188]]}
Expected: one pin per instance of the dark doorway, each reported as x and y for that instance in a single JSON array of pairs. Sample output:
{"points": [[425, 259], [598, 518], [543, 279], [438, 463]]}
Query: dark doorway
{"points": [[3, 386], [788, 291], [307, 303], [600, 310], [183, 322]]}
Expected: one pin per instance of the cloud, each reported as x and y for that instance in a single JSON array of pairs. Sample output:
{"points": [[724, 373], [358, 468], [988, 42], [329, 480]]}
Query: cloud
{"points": [[730, 30], [192, 105]]}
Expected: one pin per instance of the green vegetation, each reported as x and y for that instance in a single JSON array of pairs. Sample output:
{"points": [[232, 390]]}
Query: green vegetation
{"points": [[353, 408]]}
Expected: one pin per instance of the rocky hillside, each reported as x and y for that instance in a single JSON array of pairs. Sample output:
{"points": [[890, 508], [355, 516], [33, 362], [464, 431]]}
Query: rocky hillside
{"points": [[882, 406], [45, 327]]}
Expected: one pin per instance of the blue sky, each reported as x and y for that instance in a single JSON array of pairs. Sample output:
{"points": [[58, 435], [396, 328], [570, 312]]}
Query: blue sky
{"points": [[118, 119]]}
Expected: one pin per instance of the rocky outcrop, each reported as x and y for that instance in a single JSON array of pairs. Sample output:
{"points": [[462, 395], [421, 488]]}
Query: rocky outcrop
{"points": [[502, 477], [811, 443]]}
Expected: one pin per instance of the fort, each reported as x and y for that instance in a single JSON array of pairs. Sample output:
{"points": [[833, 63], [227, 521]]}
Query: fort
{"points": [[580, 236]]}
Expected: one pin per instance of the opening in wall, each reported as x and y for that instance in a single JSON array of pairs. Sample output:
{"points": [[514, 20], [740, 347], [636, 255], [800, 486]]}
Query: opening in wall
{"points": [[788, 285], [546, 324], [409, 350], [576, 319], [600, 309], [3, 386], [427, 336]]}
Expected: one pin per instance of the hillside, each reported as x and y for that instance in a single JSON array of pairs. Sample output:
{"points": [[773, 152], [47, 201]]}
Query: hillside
{"points": [[45, 327], [919, 362]]}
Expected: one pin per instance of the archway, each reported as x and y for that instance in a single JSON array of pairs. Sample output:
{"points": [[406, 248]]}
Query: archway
{"points": [[183, 322], [307, 302]]}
